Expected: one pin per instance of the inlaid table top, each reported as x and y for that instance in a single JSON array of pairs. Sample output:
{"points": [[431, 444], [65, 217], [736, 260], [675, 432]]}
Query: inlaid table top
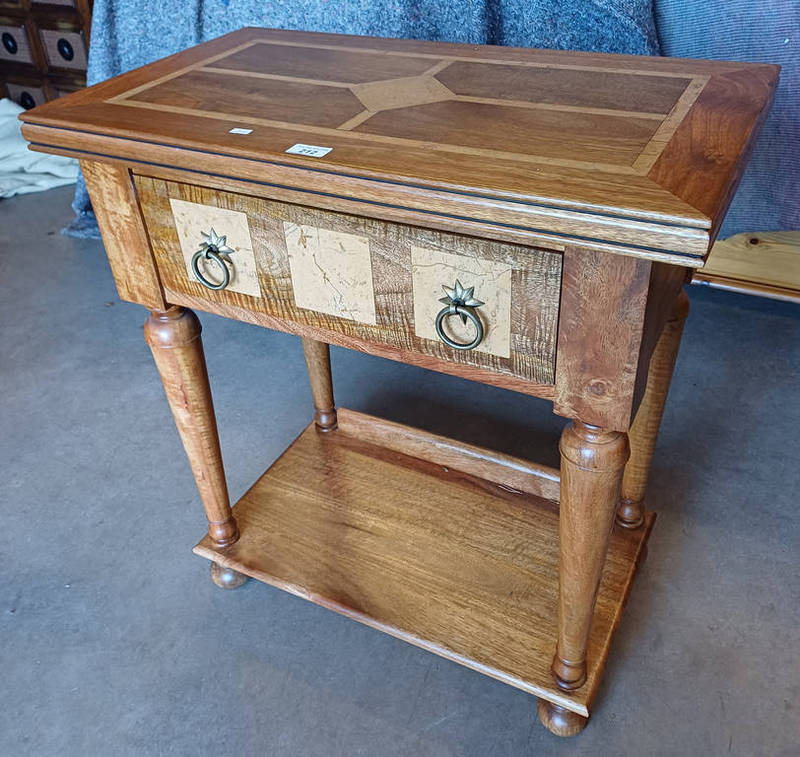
{"points": [[637, 152]]}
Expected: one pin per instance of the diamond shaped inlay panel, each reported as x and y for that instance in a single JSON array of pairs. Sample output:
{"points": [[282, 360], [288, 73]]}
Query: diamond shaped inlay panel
{"points": [[401, 93]]}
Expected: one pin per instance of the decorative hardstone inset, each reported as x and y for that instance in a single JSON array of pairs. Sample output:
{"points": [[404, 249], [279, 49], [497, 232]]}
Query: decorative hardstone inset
{"points": [[331, 272], [191, 221]]}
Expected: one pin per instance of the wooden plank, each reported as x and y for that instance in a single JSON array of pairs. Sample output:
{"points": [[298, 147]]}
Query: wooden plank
{"points": [[511, 473], [761, 263], [127, 246], [441, 559]]}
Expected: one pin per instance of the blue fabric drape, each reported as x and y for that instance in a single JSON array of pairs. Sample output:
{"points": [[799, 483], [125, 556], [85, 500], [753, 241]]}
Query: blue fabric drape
{"points": [[766, 32]]}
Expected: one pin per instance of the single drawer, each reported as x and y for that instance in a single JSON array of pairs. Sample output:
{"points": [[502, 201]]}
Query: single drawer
{"points": [[14, 45], [27, 97], [64, 48], [377, 282]]}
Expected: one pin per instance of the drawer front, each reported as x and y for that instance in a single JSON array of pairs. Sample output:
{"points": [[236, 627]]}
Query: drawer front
{"points": [[64, 48], [27, 97], [380, 282], [14, 45]]}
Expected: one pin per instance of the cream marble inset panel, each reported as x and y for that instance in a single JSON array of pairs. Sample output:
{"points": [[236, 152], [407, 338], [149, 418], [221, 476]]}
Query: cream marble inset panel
{"points": [[432, 269], [191, 219], [331, 272]]}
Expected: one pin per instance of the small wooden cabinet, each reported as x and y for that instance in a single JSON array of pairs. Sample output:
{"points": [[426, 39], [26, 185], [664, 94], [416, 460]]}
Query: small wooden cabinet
{"points": [[521, 218], [44, 49]]}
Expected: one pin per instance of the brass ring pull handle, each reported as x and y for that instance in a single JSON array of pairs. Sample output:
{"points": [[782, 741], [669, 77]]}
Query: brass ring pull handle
{"points": [[210, 255], [459, 301], [213, 248]]}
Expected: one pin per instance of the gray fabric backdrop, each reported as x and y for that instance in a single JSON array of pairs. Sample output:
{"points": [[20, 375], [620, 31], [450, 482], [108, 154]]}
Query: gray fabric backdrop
{"points": [[766, 31], [126, 35]]}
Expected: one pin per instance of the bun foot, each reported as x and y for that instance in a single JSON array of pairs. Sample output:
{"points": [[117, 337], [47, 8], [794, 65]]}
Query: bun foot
{"points": [[226, 578], [559, 720]]}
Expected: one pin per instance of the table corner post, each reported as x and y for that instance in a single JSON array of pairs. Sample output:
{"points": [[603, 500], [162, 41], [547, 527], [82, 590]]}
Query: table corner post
{"points": [[644, 430], [174, 339], [318, 362]]}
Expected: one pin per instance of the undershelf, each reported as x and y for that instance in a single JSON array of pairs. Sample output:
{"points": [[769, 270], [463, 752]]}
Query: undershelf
{"points": [[460, 565]]}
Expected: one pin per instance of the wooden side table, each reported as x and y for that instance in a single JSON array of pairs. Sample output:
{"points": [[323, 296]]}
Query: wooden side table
{"points": [[521, 218]]}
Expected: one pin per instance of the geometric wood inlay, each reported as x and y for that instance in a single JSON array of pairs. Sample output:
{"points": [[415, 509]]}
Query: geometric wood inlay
{"points": [[368, 95], [637, 154]]}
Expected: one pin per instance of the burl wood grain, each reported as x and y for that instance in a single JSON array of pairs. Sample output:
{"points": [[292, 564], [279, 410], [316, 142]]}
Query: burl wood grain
{"points": [[535, 277], [127, 246], [442, 559], [463, 370], [603, 304]]}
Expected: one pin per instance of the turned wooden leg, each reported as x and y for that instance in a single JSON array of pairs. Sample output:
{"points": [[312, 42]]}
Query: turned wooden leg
{"points": [[592, 462], [227, 578], [318, 361], [559, 720], [174, 338], [644, 432]]}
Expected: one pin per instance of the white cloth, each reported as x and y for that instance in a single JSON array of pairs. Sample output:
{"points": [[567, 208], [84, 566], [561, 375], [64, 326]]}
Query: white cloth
{"points": [[21, 170]]}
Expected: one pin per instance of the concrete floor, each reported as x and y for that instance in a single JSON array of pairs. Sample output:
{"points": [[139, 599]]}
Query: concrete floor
{"points": [[113, 640]]}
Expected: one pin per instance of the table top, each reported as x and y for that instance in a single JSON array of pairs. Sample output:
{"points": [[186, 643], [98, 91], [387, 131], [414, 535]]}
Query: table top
{"points": [[640, 151]]}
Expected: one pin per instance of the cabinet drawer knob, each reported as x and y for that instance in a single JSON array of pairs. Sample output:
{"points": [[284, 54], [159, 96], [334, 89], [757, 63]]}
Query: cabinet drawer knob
{"points": [[213, 248], [10, 43], [65, 49], [459, 301]]}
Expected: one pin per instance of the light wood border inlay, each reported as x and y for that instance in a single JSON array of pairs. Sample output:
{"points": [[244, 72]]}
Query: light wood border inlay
{"points": [[659, 140], [274, 77], [120, 98], [453, 58], [357, 119], [641, 165], [457, 149]]}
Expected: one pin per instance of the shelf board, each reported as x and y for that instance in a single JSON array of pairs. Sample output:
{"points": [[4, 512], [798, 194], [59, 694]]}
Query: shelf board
{"points": [[459, 565], [766, 264]]}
